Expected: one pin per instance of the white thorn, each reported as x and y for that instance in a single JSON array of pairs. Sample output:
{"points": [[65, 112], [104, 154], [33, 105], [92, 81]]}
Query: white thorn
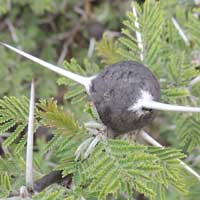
{"points": [[138, 34], [194, 81], [150, 140], [29, 148], [86, 81], [180, 31], [168, 107], [91, 48]]}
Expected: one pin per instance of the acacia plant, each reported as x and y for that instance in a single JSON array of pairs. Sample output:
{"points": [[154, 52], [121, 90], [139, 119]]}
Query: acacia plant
{"points": [[72, 157]]}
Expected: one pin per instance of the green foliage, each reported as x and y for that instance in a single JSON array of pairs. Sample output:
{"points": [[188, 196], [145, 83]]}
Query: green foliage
{"points": [[111, 170], [4, 184], [13, 115], [53, 194], [171, 173], [193, 30], [188, 131], [116, 166], [107, 49], [52, 116], [127, 164], [12, 172], [68, 135], [150, 27]]}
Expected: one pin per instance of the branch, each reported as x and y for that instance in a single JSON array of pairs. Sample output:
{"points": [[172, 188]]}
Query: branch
{"points": [[51, 178], [42, 183], [150, 140]]}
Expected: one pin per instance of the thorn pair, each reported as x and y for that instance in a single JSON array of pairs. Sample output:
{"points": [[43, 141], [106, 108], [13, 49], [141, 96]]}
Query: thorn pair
{"points": [[87, 82]]}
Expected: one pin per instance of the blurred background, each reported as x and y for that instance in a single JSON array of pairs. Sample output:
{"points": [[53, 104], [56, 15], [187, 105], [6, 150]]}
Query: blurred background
{"points": [[58, 30], [54, 30]]}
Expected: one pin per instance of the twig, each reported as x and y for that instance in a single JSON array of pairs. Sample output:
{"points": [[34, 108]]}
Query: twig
{"points": [[51, 178], [63, 53], [71, 35], [150, 140], [47, 180], [12, 32], [180, 31], [29, 148], [138, 34], [59, 36]]}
